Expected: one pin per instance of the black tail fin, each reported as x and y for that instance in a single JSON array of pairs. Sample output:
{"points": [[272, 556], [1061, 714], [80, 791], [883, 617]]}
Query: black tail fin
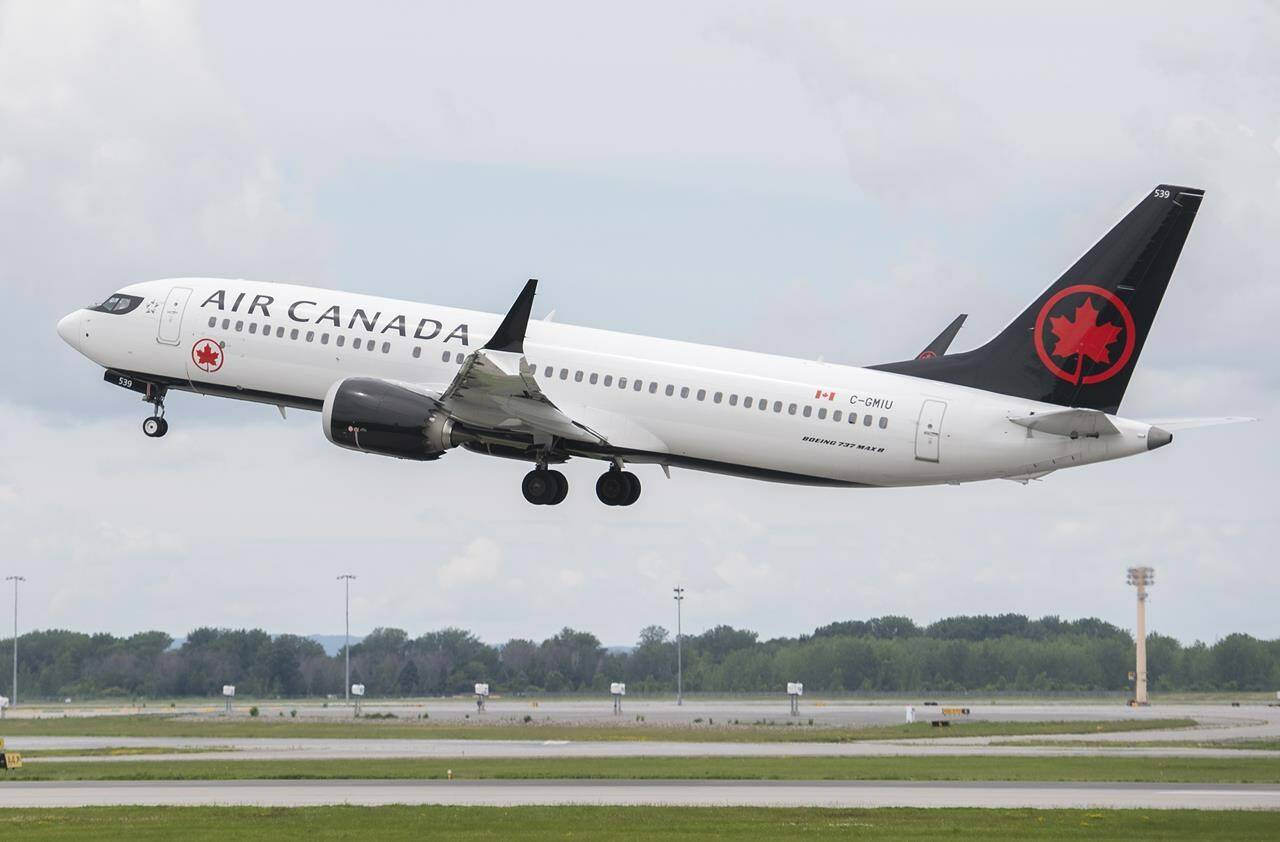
{"points": [[1078, 343]]}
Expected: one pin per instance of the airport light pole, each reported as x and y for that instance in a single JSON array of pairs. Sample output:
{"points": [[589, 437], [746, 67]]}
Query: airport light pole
{"points": [[679, 655], [346, 682], [1141, 578], [15, 580]]}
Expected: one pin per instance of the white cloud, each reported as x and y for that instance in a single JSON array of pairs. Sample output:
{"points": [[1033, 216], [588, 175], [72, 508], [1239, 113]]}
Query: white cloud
{"points": [[478, 564]]}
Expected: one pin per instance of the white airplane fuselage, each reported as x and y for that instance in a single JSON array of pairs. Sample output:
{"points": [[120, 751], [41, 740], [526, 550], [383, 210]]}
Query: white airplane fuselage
{"points": [[288, 345]]}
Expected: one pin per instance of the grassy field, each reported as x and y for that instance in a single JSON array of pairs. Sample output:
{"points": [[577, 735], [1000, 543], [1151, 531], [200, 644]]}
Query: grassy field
{"points": [[176, 726], [1256, 745], [319, 824], [1173, 769]]}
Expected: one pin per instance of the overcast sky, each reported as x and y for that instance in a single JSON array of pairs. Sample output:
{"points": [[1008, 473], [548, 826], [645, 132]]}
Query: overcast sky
{"points": [[835, 180]]}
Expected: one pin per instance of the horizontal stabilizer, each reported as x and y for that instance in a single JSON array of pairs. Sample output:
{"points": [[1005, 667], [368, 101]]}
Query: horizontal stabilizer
{"points": [[1172, 424], [1069, 422]]}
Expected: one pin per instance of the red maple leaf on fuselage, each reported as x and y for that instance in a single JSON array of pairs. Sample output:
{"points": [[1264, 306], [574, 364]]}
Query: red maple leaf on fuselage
{"points": [[1083, 335], [206, 355]]}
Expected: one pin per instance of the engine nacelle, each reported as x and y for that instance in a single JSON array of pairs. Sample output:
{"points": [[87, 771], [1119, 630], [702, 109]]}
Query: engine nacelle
{"points": [[377, 416]]}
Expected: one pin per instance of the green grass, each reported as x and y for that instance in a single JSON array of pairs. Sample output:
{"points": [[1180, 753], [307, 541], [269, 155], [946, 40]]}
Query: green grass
{"points": [[1170, 769], [170, 726], [321, 824]]}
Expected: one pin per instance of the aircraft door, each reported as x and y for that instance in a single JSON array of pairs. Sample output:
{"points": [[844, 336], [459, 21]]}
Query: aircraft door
{"points": [[170, 330], [929, 430]]}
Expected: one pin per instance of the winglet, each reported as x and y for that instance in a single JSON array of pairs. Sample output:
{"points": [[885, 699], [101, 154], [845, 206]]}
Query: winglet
{"points": [[510, 334], [939, 345]]}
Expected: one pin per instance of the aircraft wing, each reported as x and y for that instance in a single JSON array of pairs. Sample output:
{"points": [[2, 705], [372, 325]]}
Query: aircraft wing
{"points": [[1068, 422], [496, 387]]}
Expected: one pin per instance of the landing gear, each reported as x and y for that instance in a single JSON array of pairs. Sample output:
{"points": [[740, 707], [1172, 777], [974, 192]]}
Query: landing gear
{"points": [[542, 487], [155, 426], [618, 488]]}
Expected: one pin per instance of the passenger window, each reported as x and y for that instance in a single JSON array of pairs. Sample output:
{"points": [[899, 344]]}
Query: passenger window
{"points": [[853, 418], [622, 382], [253, 327], [717, 397], [808, 410], [457, 358], [684, 391], [342, 340], [791, 410], [866, 420], [311, 334], [702, 394], [653, 387], [266, 330], [444, 358], [356, 343], [417, 349], [671, 390], [549, 373], [370, 345], [577, 377], [746, 402], [324, 339], [835, 416], [564, 374], [822, 412], [386, 347], [279, 332], [239, 326], [884, 422], [226, 324], [733, 400], [293, 334], [764, 404], [213, 321], [593, 378], [777, 406], [608, 380]]}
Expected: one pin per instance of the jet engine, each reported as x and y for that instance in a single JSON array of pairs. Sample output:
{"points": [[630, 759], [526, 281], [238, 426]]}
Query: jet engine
{"points": [[378, 416]]}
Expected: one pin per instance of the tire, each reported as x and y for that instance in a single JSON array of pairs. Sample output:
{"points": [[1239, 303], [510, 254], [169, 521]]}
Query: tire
{"points": [[562, 488], [538, 488], [612, 488], [164, 428], [633, 488], [151, 427]]}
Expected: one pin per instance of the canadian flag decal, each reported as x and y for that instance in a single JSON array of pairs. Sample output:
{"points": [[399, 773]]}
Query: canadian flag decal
{"points": [[821, 395]]}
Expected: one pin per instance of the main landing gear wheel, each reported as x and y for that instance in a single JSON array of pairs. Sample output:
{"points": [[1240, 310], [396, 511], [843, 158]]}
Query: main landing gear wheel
{"points": [[545, 488], [155, 427], [618, 488]]}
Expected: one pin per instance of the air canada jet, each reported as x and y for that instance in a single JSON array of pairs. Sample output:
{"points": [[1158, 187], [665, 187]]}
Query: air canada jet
{"points": [[398, 378]]}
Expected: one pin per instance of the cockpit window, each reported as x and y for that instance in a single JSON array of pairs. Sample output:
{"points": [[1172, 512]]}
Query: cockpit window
{"points": [[118, 304]]}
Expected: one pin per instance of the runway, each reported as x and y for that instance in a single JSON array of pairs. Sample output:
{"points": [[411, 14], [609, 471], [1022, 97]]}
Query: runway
{"points": [[270, 748], [664, 793]]}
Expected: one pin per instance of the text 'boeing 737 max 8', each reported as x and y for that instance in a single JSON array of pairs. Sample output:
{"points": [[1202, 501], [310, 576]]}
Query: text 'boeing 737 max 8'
{"points": [[397, 378]]}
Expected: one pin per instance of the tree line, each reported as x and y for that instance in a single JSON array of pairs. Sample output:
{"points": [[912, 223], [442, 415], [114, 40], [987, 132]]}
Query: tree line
{"points": [[1009, 652]]}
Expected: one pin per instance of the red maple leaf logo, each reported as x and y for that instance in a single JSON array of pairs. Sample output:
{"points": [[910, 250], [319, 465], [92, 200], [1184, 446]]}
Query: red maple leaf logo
{"points": [[1083, 337], [206, 356]]}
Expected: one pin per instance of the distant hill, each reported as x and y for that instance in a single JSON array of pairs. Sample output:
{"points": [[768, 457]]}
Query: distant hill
{"points": [[333, 643]]}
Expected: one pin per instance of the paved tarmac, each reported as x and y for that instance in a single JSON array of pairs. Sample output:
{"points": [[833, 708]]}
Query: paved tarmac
{"points": [[669, 793], [340, 749]]}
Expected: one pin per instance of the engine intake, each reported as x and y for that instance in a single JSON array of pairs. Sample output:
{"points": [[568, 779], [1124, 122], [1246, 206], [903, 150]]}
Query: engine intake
{"points": [[376, 416]]}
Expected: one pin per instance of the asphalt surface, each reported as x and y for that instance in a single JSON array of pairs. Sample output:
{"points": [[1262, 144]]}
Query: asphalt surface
{"points": [[337, 749], [669, 793]]}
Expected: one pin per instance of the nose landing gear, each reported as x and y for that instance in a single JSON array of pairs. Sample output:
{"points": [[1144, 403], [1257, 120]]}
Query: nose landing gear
{"points": [[155, 426], [617, 487], [542, 487]]}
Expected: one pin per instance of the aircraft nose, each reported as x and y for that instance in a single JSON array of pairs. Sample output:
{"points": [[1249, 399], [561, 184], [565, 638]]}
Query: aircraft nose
{"points": [[69, 329]]}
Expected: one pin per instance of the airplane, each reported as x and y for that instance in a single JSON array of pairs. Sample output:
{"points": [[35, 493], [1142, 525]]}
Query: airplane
{"points": [[414, 381]]}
